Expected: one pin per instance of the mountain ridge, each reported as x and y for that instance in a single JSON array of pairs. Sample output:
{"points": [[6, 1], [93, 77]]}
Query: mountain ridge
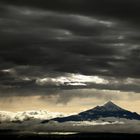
{"points": [[109, 109]]}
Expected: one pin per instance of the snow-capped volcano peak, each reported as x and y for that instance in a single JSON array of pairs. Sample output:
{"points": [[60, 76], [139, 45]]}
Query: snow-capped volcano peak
{"points": [[109, 103], [110, 106]]}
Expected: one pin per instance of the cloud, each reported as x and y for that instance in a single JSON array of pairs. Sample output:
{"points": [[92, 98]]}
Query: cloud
{"points": [[126, 9], [79, 44], [45, 50], [72, 79]]}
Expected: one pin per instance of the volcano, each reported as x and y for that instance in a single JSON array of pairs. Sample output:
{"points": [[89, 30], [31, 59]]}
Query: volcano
{"points": [[109, 109]]}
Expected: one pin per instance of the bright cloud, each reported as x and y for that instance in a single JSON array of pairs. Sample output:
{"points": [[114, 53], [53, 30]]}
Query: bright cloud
{"points": [[71, 79]]}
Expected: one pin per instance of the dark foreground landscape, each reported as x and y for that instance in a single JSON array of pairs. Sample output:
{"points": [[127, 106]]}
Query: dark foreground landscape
{"points": [[78, 136]]}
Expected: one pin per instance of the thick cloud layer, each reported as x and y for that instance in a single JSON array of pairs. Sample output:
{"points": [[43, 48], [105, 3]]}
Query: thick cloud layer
{"points": [[47, 46]]}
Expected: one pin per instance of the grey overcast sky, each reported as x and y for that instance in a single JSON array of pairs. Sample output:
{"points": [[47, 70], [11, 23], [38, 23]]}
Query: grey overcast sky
{"points": [[69, 55]]}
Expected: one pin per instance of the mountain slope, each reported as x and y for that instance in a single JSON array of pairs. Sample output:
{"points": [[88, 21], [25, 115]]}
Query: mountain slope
{"points": [[107, 110]]}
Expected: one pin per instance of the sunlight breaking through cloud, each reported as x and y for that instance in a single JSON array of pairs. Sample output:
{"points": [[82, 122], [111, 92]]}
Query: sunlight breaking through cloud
{"points": [[72, 79]]}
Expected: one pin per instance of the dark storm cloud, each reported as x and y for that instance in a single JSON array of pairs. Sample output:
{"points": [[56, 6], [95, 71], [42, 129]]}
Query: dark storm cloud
{"points": [[125, 9], [49, 39], [36, 36]]}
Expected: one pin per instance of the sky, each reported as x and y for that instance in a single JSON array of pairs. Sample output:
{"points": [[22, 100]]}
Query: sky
{"points": [[69, 55]]}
